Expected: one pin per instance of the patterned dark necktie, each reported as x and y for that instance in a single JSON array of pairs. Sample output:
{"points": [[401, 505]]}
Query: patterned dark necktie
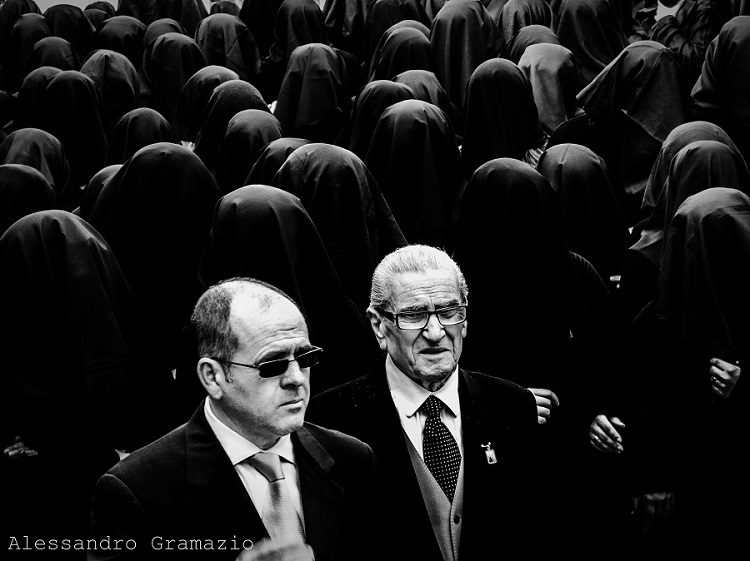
{"points": [[441, 453], [279, 516]]}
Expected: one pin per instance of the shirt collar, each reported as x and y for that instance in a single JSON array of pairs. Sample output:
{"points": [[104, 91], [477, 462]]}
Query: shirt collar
{"points": [[239, 448], [409, 396]]}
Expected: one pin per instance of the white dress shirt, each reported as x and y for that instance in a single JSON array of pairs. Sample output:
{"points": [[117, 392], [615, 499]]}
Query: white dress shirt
{"points": [[408, 396], [238, 448]]}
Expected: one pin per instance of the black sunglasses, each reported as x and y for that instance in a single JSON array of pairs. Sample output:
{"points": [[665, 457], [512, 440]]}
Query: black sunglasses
{"points": [[273, 368]]}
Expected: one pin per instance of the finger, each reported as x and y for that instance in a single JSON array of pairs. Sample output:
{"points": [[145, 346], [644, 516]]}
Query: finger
{"points": [[717, 372], [617, 423]]}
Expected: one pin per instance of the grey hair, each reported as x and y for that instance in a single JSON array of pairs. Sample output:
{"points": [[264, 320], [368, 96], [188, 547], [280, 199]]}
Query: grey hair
{"points": [[210, 319], [412, 259]]}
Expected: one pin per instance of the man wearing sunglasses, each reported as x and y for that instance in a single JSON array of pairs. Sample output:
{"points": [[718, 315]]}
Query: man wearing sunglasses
{"points": [[246, 478], [460, 469]]}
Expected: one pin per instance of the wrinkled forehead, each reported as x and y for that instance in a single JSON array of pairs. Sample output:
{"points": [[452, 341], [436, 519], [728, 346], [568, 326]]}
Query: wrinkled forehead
{"points": [[426, 289]]}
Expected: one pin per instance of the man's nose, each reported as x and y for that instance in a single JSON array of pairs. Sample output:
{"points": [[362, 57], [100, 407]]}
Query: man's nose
{"points": [[434, 330], [294, 375]]}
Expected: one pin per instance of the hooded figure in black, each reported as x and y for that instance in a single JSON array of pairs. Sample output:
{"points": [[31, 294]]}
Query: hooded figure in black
{"points": [[400, 49], [124, 35], [155, 213], [266, 233], [17, 46], [53, 51], [81, 369], [30, 97], [527, 36], [382, 15], [542, 317], [189, 13], [70, 23], [348, 210], [247, 133], [23, 190], [40, 150], [271, 158], [117, 79], [415, 160], [136, 129], [226, 41], [188, 108], [314, 100]]}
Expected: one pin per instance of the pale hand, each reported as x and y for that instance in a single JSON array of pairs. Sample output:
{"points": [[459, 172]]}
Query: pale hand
{"points": [[724, 376], [604, 434], [545, 400]]}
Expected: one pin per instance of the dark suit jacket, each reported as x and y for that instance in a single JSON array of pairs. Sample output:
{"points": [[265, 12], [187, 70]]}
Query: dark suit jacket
{"points": [[505, 506], [184, 487]]}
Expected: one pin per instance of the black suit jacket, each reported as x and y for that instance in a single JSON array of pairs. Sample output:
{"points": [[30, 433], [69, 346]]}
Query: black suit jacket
{"points": [[184, 487], [505, 506]]}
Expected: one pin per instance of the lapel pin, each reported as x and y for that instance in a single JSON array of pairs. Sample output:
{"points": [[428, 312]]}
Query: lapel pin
{"points": [[489, 453]]}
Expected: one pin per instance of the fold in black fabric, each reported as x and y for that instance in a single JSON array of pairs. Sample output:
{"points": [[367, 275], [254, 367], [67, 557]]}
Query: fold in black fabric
{"points": [[266, 233], [40, 150], [463, 36], [225, 7], [136, 129], [117, 79], [374, 98], [30, 97], [17, 47], [592, 221], [53, 51], [314, 99], [226, 41], [260, 17], [227, 99], [94, 188], [271, 159], [190, 105], [23, 190], [189, 13], [247, 133], [426, 86], [635, 102], [382, 14], [142, 10], [401, 49], [122, 34], [348, 209], [159, 27], [415, 160], [155, 213], [70, 23], [517, 14], [10, 11], [530, 35], [501, 118]]}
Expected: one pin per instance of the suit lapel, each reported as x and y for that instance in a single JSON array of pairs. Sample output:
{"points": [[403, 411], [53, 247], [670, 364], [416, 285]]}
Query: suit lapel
{"points": [[223, 505], [322, 497]]}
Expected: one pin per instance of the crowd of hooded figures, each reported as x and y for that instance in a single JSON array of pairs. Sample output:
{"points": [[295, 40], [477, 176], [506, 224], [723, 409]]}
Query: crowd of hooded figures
{"points": [[583, 161]]}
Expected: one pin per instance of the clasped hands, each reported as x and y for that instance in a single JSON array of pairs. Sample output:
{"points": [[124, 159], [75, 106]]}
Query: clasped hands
{"points": [[724, 376]]}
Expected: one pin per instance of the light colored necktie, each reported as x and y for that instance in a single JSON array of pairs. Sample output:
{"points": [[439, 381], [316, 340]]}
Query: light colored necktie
{"points": [[279, 515]]}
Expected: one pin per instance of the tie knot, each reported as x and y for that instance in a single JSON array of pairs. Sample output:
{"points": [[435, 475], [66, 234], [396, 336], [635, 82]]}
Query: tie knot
{"points": [[432, 407], [268, 464]]}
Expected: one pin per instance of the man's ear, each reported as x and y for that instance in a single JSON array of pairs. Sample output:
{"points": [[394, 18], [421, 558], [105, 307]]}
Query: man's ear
{"points": [[212, 377], [376, 322]]}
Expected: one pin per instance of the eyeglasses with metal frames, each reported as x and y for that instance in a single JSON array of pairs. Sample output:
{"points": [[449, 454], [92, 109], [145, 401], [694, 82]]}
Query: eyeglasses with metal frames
{"points": [[273, 368], [451, 315]]}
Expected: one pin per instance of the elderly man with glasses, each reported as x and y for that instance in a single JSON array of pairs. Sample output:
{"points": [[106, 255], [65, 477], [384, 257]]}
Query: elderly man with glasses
{"points": [[461, 474], [245, 478]]}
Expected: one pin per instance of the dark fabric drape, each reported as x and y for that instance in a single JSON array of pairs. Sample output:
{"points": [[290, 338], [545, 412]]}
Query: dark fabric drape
{"points": [[314, 99], [96, 17], [721, 93], [106, 7], [415, 161], [369, 105], [554, 79], [10, 11], [123, 34], [77, 353], [159, 27], [94, 188], [225, 7], [635, 103], [142, 10], [399, 50], [23, 190], [189, 13], [266, 233], [73, 110], [155, 213], [226, 41], [117, 79], [30, 96], [592, 31], [70, 23], [501, 116], [188, 108], [345, 24], [517, 14], [40, 150], [382, 14], [17, 46], [426, 86], [134, 130], [53, 51], [260, 17], [271, 159], [225, 102], [348, 209], [168, 62], [592, 221], [463, 36], [247, 133], [527, 36]]}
